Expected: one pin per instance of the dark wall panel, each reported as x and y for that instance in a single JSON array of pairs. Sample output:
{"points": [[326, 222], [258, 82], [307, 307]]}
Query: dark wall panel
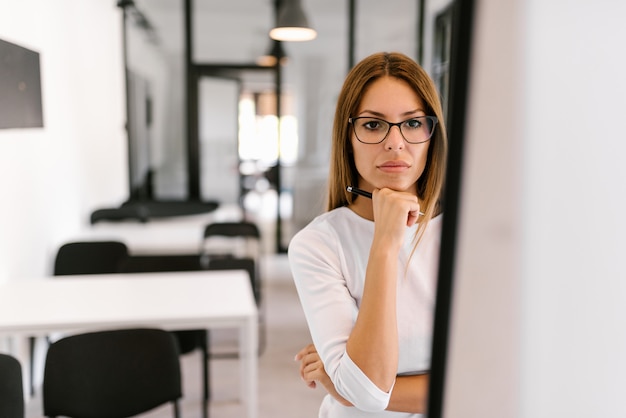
{"points": [[20, 87]]}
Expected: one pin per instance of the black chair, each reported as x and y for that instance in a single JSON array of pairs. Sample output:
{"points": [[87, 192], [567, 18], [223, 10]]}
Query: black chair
{"points": [[240, 235], [188, 340], [112, 374], [142, 210], [236, 245], [11, 391], [234, 240], [195, 339], [124, 213], [233, 229], [156, 263], [90, 257], [84, 257]]}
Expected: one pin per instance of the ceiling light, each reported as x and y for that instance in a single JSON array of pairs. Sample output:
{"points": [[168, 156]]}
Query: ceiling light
{"points": [[275, 54], [292, 24]]}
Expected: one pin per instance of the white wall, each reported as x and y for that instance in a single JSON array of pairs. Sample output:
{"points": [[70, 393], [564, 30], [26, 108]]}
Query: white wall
{"points": [[51, 178], [538, 320]]}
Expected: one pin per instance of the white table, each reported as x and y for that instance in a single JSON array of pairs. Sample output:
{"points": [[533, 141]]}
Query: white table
{"points": [[171, 301]]}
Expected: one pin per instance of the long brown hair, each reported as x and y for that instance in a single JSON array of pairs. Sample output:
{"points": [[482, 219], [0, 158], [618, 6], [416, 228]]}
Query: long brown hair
{"points": [[342, 168]]}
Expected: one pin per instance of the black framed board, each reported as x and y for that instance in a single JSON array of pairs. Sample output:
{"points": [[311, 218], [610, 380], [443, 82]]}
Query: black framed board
{"points": [[20, 87]]}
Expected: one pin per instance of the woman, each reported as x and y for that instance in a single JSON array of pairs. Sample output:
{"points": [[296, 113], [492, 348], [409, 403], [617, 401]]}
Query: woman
{"points": [[366, 269]]}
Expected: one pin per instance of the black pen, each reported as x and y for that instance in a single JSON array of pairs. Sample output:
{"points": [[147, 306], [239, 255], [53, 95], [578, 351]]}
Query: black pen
{"points": [[359, 192], [364, 194]]}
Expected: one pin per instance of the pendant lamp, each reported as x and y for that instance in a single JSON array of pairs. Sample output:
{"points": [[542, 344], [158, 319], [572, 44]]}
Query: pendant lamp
{"points": [[292, 24], [275, 55]]}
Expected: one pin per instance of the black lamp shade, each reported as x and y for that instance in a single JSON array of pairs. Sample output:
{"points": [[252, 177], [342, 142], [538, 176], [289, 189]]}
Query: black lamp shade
{"points": [[292, 24]]}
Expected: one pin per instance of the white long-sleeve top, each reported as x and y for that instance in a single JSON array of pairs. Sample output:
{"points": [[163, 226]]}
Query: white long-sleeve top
{"points": [[328, 260]]}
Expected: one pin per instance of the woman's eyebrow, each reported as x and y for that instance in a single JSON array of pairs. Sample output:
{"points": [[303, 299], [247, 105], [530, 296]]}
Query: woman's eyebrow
{"points": [[412, 112], [382, 115], [372, 112]]}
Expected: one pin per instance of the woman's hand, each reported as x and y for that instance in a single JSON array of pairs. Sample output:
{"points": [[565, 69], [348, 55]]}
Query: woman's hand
{"points": [[311, 366], [312, 371], [393, 212]]}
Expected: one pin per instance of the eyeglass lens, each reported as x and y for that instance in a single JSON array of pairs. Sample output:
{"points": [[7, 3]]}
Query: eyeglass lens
{"points": [[373, 130]]}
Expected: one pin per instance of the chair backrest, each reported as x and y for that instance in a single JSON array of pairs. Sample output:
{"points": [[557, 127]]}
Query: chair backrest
{"points": [[90, 257], [245, 263], [123, 213], [111, 374], [239, 239], [234, 245], [156, 263], [11, 389], [232, 229]]}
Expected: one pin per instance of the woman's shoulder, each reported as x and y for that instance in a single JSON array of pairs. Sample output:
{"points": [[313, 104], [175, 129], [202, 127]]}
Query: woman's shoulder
{"points": [[321, 225], [327, 228], [337, 220]]}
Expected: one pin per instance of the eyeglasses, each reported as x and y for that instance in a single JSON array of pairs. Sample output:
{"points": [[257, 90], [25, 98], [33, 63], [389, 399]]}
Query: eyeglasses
{"points": [[416, 130]]}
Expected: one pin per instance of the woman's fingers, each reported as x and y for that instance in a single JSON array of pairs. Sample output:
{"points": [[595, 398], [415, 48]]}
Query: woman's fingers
{"points": [[306, 350], [394, 210], [413, 216], [310, 364], [312, 372]]}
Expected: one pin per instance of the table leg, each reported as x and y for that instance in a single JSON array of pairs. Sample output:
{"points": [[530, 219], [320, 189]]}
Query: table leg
{"points": [[248, 354]]}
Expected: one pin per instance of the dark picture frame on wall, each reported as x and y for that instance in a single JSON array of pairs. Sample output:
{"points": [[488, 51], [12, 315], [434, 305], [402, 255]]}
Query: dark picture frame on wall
{"points": [[20, 87]]}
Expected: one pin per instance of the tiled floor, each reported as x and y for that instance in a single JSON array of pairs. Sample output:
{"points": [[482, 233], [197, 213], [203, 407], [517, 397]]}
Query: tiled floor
{"points": [[281, 392]]}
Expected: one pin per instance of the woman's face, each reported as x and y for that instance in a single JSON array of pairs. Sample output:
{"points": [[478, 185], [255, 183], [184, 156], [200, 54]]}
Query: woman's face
{"points": [[393, 163]]}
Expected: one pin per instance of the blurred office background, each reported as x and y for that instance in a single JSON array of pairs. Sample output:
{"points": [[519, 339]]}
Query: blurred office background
{"points": [[539, 294], [119, 126]]}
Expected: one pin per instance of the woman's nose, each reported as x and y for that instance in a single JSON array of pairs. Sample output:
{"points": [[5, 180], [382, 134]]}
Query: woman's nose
{"points": [[394, 139]]}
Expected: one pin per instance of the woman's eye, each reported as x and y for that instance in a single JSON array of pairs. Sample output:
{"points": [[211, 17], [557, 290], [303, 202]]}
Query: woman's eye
{"points": [[372, 125], [413, 123]]}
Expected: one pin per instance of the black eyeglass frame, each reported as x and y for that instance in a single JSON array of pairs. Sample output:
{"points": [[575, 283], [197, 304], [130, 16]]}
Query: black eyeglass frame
{"points": [[433, 119]]}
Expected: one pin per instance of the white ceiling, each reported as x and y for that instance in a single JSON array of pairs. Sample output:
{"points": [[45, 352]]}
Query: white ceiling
{"points": [[236, 31]]}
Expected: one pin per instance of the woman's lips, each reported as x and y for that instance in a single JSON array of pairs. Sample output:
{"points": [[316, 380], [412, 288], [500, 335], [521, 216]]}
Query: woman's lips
{"points": [[394, 166]]}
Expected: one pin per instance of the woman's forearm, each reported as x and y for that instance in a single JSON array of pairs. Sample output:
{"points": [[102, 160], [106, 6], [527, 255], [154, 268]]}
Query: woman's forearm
{"points": [[410, 394], [373, 342]]}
